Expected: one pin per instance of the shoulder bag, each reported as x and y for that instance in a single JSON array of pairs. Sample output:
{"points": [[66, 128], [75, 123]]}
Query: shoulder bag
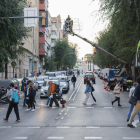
{"points": [[116, 91], [133, 100]]}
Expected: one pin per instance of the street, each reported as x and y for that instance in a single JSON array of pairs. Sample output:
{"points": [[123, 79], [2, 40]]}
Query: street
{"points": [[74, 122]]}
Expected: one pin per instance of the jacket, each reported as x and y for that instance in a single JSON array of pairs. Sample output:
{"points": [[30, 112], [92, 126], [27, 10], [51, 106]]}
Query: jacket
{"points": [[73, 79], [29, 94], [88, 89], [53, 89], [137, 91]]}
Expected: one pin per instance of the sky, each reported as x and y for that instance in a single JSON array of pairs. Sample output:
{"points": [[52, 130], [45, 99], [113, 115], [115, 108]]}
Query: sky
{"points": [[82, 10]]}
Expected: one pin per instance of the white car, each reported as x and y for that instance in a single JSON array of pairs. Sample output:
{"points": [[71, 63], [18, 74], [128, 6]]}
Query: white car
{"points": [[44, 89], [64, 83], [40, 81]]}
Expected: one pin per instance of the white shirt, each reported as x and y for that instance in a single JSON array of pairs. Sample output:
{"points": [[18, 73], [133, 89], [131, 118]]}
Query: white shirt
{"points": [[131, 91]]}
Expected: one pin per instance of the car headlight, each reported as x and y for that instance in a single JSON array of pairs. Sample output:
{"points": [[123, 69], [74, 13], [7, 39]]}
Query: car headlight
{"points": [[42, 89], [64, 85]]}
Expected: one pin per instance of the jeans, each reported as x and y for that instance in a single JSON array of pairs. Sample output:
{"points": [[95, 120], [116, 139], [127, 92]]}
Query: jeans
{"points": [[135, 111], [24, 101], [73, 85], [130, 111], [11, 106], [48, 100]]}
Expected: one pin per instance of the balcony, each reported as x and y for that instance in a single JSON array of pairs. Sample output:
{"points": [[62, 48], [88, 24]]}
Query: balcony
{"points": [[41, 51], [41, 39], [42, 7]]}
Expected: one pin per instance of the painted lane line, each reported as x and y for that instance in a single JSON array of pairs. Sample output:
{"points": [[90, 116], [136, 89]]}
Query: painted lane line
{"points": [[122, 127], [34, 127], [92, 127], [20, 138], [131, 138], [3, 109], [65, 114], [67, 109], [63, 110], [77, 91], [71, 107], [89, 107], [62, 118], [52, 138], [5, 126], [62, 127], [93, 138], [107, 107]]}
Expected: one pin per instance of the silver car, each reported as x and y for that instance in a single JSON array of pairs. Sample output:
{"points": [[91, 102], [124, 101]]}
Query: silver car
{"points": [[40, 81], [64, 83], [44, 89]]}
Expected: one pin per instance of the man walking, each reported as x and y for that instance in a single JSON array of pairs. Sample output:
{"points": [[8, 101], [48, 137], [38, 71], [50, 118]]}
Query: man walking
{"points": [[137, 106], [73, 80], [12, 104], [53, 94], [132, 106], [129, 82]]}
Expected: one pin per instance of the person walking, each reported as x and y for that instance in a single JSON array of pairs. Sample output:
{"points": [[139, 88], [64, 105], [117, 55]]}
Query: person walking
{"points": [[49, 94], [88, 93], [137, 106], [12, 92], [53, 94], [117, 95], [132, 106], [129, 82], [73, 80], [30, 96]]}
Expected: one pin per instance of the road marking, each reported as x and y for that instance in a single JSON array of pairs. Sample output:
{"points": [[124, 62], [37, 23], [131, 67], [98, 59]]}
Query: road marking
{"points": [[56, 118], [71, 107], [33, 127], [62, 118], [91, 127], [5, 126], [37, 107], [131, 138], [62, 127], [63, 110], [3, 109], [77, 90], [20, 138], [89, 107], [107, 107], [52, 138], [122, 127], [68, 109], [40, 104], [93, 138], [65, 114]]}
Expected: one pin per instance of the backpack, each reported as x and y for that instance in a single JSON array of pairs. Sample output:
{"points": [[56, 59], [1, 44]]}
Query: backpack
{"points": [[56, 88], [15, 97]]}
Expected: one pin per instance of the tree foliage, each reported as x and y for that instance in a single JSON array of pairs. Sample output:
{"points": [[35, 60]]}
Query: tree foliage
{"points": [[122, 35]]}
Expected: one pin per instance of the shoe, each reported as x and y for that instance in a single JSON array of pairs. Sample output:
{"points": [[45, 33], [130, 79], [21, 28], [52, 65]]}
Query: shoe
{"points": [[112, 103], [29, 109], [127, 120], [33, 110], [130, 125], [119, 105], [18, 120], [5, 119]]}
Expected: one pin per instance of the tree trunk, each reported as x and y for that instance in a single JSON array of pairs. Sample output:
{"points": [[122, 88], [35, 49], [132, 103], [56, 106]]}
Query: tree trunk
{"points": [[6, 72]]}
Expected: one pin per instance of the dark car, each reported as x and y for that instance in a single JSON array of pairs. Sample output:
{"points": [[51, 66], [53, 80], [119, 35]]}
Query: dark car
{"points": [[91, 76]]}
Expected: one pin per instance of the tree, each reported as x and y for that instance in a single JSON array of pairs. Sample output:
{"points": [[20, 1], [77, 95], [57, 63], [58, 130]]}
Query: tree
{"points": [[12, 30]]}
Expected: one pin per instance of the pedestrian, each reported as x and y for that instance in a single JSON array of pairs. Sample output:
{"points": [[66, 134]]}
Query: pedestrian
{"points": [[117, 95], [88, 93], [13, 104], [129, 82], [49, 94], [30, 96], [73, 80], [137, 106], [53, 94], [24, 88], [93, 88], [132, 106]]}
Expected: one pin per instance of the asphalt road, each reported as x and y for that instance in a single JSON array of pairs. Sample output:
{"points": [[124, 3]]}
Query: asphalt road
{"points": [[74, 122]]}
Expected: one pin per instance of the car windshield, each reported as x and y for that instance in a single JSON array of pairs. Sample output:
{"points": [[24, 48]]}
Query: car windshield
{"points": [[62, 79], [89, 76], [51, 74], [40, 79], [56, 82]]}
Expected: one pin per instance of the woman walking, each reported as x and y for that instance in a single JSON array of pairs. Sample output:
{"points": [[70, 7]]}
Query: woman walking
{"points": [[117, 94], [88, 93]]}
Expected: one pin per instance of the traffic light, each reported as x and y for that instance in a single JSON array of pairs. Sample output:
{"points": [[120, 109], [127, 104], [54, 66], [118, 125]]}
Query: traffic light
{"points": [[94, 51]]}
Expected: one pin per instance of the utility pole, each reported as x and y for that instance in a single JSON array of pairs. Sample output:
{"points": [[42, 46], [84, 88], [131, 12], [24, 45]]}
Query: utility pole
{"points": [[33, 54], [90, 65]]}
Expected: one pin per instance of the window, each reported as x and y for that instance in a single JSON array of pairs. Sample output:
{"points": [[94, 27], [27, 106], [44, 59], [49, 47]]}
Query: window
{"points": [[41, 46], [53, 33], [53, 41], [41, 35]]}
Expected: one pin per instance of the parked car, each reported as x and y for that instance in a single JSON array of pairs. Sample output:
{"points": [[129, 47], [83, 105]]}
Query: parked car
{"points": [[50, 74], [61, 73], [64, 83], [91, 76], [44, 89], [40, 81], [35, 82]]}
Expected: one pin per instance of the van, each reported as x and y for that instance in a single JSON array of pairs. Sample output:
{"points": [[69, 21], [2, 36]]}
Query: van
{"points": [[105, 73]]}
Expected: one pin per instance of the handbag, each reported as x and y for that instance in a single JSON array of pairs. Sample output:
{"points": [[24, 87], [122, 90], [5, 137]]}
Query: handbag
{"points": [[93, 89], [116, 91], [133, 100]]}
